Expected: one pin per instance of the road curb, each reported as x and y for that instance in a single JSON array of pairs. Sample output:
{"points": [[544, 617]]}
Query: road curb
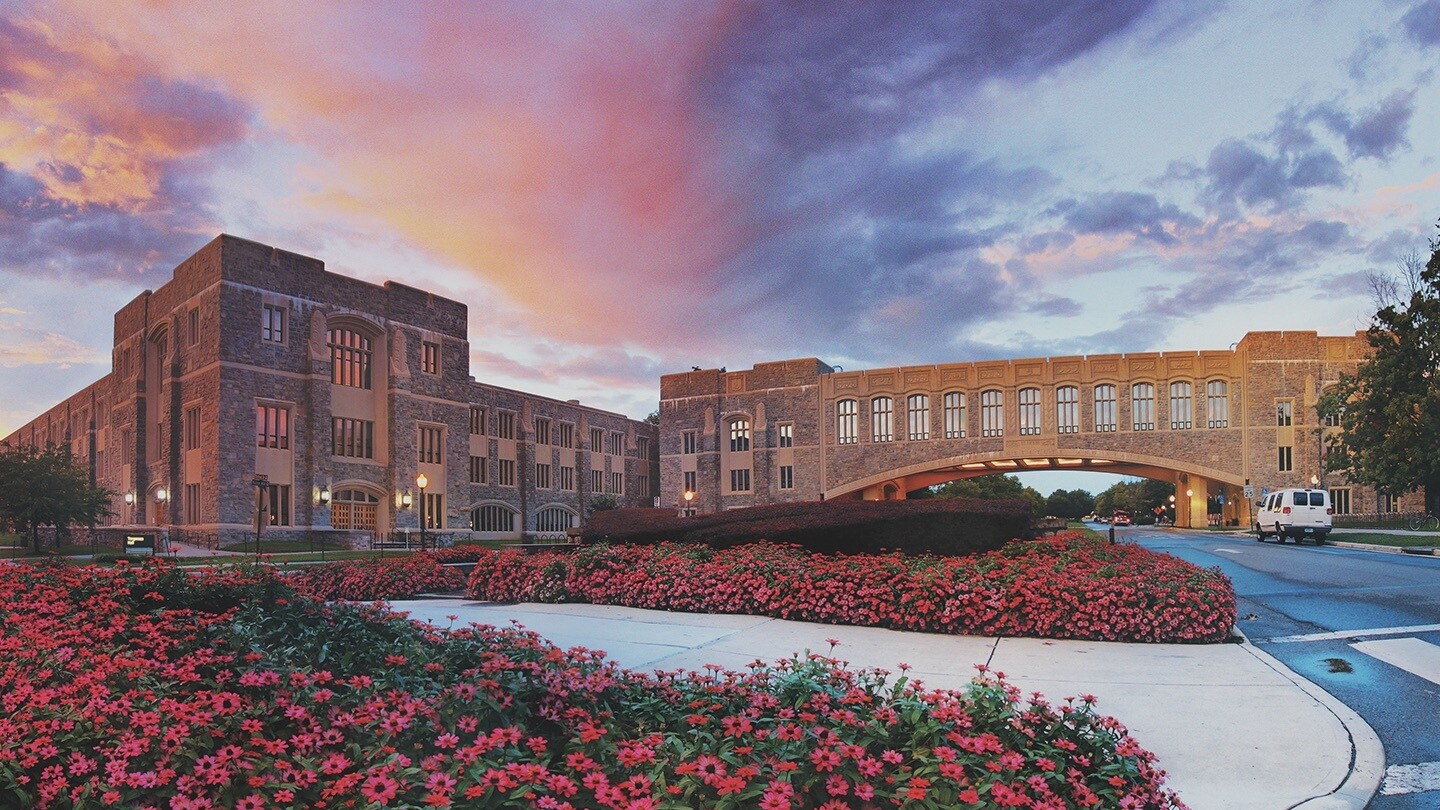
{"points": [[1367, 755], [1372, 547]]}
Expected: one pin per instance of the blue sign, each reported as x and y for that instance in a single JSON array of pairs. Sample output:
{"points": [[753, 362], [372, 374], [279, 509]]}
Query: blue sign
{"points": [[1264, 491], [1220, 499]]}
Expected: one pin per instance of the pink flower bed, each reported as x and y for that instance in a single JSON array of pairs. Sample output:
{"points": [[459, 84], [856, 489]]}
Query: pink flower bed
{"points": [[1064, 587], [153, 689], [398, 577]]}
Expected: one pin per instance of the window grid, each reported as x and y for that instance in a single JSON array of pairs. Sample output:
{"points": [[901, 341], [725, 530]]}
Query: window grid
{"points": [[845, 421], [554, 519], [740, 436], [740, 480], [1067, 409], [272, 324], [542, 430], [542, 476], [992, 413], [954, 407], [1286, 461], [787, 476], [688, 442], [276, 504], [617, 483], [272, 426], [192, 504], [192, 428], [350, 358], [477, 420], [507, 472], [429, 357], [565, 435], [1142, 406], [1105, 421], [690, 481], [787, 435], [352, 438], [1180, 405], [434, 510], [615, 444], [882, 419], [597, 440], [917, 409], [1217, 404], [597, 480], [479, 470], [493, 518], [1029, 411], [567, 478], [642, 447], [431, 445], [1284, 413], [505, 424], [1340, 500]]}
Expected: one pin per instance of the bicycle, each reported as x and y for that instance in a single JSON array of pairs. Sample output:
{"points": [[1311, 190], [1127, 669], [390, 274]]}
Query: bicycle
{"points": [[1424, 523]]}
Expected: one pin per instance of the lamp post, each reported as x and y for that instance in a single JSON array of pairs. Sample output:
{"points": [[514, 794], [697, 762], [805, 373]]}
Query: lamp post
{"points": [[262, 486], [323, 498], [420, 483], [689, 502], [130, 507], [404, 499], [1173, 513], [161, 496]]}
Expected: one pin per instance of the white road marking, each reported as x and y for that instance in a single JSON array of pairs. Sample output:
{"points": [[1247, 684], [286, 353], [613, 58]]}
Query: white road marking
{"points": [[1374, 631], [1411, 778], [1230, 550], [1413, 655]]}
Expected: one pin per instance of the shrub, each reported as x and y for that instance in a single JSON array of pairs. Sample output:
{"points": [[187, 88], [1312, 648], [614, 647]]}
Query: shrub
{"points": [[1062, 587], [943, 526], [368, 580], [300, 704]]}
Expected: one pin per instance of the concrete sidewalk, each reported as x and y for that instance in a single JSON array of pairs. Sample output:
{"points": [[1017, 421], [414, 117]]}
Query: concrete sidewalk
{"points": [[1232, 726]]}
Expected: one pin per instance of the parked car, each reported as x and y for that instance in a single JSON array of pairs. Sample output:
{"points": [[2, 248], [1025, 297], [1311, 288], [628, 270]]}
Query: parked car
{"points": [[1295, 513], [1122, 518]]}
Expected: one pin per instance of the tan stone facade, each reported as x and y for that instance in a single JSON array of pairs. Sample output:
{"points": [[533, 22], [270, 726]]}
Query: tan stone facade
{"points": [[1213, 422], [254, 360]]}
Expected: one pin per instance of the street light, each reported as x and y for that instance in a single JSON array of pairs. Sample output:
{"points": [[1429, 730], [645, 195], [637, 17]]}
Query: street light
{"points": [[130, 505], [420, 483], [689, 501]]}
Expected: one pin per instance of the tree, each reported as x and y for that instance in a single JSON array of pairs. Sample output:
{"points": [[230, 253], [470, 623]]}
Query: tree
{"points": [[46, 488], [653, 417], [1389, 410], [1069, 503], [992, 488], [1139, 498]]}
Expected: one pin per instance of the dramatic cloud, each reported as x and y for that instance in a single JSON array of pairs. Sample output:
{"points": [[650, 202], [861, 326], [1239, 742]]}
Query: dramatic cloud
{"points": [[1127, 212], [1422, 23]]}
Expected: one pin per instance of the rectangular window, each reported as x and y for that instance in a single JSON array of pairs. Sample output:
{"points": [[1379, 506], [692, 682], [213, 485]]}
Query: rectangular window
{"points": [[193, 325], [1286, 459], [277, 505], [434, 510], [192, 504], [429, 357], [1180, 400], [1029, 411], [192, 428], [1388, 503], [1284, 413], [479, 470], [597, 480], [431, 445], [567, 478], [1105, 409], [505, 424], [688, 442], [566, 436], [787, 477], [845, 422], [542, 476], [1217, 404], [350, 357], [617, 444], [917, 410], [507, 472], [272, 323], [1334, 418], [272, 427], [352, 438], [740, 480], [477, 420], [882, 419], [1067, 409], [690, 481], [597, 441], [617, 483], [992, 413], [954, 405], [642, 485], [1340, 500], [642, 447], [1142, 406], [739, 436], [542, 430], [787, 435]]}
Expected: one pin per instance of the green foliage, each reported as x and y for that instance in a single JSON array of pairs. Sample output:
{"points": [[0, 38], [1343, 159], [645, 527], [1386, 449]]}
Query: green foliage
{"points": [[1389, 410], [46, 487], [1070, 503], [601, 503], [993, 488], [1139, 498], [653, 417]]}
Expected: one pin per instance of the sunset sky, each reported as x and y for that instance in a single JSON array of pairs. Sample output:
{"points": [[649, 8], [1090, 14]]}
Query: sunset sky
{"points": [[624, 189]]}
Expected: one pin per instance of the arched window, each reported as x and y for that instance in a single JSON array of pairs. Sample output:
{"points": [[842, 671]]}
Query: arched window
{"points": [[739, 435], [1180, 399], [845, 428], [1029, 411], [992, 413], [954, 415], [1142, 406], [1217, 403], [350, 358], [917, 409], [492, 518], [1067, 409], [1105, 408], [554, 519], [882, 419]]}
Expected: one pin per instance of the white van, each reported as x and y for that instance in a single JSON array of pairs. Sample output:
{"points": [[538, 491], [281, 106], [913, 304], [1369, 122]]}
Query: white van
{"points": [[1296, 513]]}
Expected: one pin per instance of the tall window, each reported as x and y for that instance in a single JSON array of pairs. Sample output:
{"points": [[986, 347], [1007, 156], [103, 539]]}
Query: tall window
{"points": [[477, 420], [507, 472], [597, 480], [554, 519], [616, 445], [1105, 421], [479, 472], [353, 438], [542, 476], [429, 357], [567, 478], [845, 429], [597, 440], [690, 481], [1388, 503], [272, 324], [430, 444], [689, 442], [1029, 411], [1180, 399], [434, 510], [193, 321], [192, 504], [1340, 500], [275, 506], [787, 477], [740, 436], [192, 428], [917, 410], [740, 480], [493, 518], [642, 446], [1067, 409], [954, 406], [272, 426], [1284, 413], [505, 424], [787, 435], [882, 419], [1286, 459], [992, 413], [565, 435], [1217, 403], [617, 483], [1142, 406], [350, 358], [542, 430]]}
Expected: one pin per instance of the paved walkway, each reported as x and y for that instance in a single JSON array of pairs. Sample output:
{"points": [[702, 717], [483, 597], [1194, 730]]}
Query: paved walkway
{"points": [[1233, 727]]}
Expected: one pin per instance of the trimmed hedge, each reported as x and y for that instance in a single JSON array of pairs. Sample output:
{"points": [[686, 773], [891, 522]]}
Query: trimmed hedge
{"points": [[943, 526]]}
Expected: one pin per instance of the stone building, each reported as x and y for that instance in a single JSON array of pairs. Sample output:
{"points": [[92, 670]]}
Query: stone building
{"points": [[254, 386], [1217, 423]]}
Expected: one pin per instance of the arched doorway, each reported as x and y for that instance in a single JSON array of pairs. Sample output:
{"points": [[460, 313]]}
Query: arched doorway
{"points": [[355, 509]]}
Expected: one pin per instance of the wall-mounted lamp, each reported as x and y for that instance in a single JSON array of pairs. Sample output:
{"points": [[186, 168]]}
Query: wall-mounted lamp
{"points": [[161, 495], [1314, 480], [324, 494], [129, 498], [406, 499], [1189, 493]]}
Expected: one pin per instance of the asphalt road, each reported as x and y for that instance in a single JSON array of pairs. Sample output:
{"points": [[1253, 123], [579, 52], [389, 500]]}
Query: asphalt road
{"points": [[1351, 621]]}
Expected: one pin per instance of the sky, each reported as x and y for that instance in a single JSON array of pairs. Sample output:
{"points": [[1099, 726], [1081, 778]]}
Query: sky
{"points": [[625, 189]]}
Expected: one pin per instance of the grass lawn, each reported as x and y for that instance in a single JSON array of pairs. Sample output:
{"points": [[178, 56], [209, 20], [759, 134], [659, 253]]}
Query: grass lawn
{"points": [[1382, 539]]}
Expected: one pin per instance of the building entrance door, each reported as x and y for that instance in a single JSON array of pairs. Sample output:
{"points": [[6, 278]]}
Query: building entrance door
{"points": [[355, 509]]}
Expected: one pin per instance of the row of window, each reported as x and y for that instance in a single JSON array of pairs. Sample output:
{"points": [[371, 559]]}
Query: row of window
{"points": [[740, 479], [992, 412], [550, 433], [500, 518]]}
